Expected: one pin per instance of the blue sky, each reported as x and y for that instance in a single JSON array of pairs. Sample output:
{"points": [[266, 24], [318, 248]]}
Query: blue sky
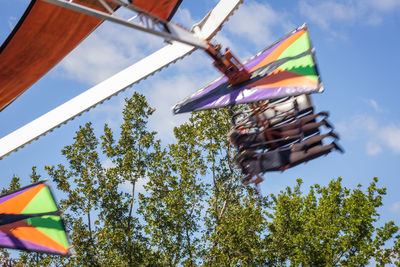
{"points": [[357, 48]]}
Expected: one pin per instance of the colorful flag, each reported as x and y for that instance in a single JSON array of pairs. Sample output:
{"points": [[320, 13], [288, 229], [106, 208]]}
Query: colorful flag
{"points": [[286, 68], [30, 220]]}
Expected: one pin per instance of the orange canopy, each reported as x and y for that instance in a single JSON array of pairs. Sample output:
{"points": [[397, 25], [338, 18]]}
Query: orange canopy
{"points": [[163, 9], [44, 35]]}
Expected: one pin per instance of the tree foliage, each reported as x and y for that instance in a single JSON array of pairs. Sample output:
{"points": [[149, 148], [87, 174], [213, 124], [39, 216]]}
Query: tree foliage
{"points": [[193, 210], [329, 226]]}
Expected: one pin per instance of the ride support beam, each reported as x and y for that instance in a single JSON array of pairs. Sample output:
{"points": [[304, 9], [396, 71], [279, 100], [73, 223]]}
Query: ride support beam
{"points": [[147, 23]]}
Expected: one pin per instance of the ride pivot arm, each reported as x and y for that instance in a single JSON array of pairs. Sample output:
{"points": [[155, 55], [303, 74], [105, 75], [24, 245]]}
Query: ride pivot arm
{"points": [[228, 64]]}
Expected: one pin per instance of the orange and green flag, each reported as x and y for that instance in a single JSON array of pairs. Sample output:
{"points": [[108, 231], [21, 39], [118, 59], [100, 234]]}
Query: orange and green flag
{"points": [[286, 68], [30, 220]]}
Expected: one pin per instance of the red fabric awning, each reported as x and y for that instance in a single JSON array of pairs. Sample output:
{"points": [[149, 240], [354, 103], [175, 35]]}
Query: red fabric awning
{"points": [[44, 35], [163, 9]]}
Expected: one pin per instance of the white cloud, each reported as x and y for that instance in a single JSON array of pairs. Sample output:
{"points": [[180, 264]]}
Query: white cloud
{"points": [[352, 127], [395, 207], [253, 22], [107, 51], [372, 103], [378, 134], [184, 17], [369, 123], [111, 48], [326, 13], [163, 93], [390, 136], [373, 148], [384, 5], [374, 19]]}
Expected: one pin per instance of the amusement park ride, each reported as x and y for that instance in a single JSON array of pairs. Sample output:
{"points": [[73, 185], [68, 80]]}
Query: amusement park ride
{"points": [[277, 134], [25, 53]]}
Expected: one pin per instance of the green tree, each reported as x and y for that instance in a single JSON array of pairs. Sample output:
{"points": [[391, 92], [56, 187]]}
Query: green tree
{"points": [[234, 216], [173, 203], [131, 155], [14, 185], [329, 226], [195, 210], [81, 183], [98, 211]]}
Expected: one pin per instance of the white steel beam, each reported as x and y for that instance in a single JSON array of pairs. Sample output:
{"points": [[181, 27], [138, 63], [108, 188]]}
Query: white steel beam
{"points": [[207, 28], [164, 29]]}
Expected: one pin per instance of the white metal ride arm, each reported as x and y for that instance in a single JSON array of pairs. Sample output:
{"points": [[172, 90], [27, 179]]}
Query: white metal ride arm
{"points": [[207, 28], [152, 25]]}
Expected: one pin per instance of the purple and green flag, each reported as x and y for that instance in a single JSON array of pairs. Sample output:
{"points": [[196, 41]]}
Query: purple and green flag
{"points": [[286, 68], [30, 220]]}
